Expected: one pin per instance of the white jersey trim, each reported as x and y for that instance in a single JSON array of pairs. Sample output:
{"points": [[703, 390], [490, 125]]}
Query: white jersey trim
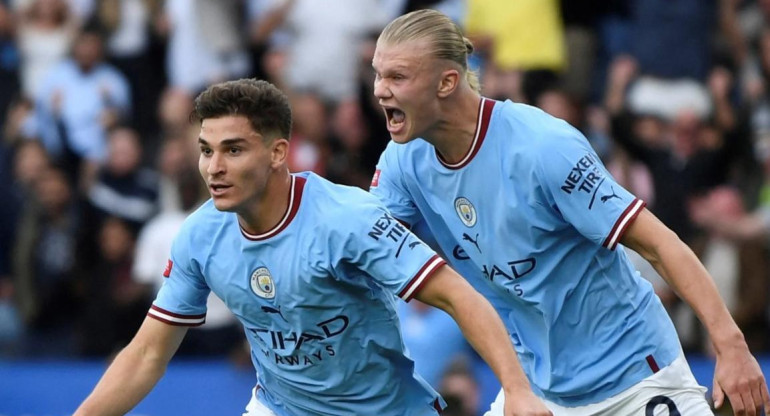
{"points": [[175, 318], [274, 230], [419, 279], [623, 222], [482, 124], [294, 201]]}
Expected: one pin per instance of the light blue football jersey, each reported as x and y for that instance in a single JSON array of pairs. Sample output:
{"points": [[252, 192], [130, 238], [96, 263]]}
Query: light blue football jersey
{"points": [[532, 219], [316, 296]]}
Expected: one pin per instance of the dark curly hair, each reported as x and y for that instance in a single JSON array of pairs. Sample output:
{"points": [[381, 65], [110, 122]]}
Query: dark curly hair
{"points": [[262, 103]]}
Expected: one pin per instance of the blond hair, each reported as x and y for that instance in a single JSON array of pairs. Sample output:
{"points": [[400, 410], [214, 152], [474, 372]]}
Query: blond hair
{"points": [[443, 35]]}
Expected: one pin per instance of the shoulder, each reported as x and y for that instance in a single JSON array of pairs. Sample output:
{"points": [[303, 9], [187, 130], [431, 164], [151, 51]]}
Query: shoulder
{"points": [[341, 205], [199, 226], [531, 120], [341, 199], [540, 131]]}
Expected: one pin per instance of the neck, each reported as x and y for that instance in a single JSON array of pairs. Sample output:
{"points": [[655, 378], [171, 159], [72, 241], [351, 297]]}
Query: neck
{"points": [[268, 210], [454, 133]]}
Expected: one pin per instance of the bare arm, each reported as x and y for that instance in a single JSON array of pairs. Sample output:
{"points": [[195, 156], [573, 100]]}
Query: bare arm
{"points": [[135, 370], [730, 27], [483, 328], [737, 373], [747, 227]]}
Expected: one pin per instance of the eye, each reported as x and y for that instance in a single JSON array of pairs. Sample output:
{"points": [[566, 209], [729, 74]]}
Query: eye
{"points": [[235, 150], [205, 151], [398, 77]]}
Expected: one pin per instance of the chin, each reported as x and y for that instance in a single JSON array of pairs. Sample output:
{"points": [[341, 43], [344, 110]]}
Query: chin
{"points": [[224, 206], [402, 138]]}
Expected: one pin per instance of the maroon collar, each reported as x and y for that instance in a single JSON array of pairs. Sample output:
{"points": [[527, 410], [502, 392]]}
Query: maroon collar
{"points": [[295, 197], [482, 124]]}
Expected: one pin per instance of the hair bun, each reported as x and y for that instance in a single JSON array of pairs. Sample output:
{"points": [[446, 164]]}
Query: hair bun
{"points": [[468, 46]]}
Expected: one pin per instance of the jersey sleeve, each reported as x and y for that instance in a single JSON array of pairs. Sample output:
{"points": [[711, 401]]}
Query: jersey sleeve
{"points": [[583, 191], [388, 186], [181, 299], [373, 241]]}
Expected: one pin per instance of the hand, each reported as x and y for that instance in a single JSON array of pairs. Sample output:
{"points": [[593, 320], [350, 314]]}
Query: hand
{"points": [[701, 211], [525, 404], [622, 70], [739, 376]]}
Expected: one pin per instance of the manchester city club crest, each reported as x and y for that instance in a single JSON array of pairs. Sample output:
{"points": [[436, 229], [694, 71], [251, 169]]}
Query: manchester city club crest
{"points": [[262, 283], [465, 211]]}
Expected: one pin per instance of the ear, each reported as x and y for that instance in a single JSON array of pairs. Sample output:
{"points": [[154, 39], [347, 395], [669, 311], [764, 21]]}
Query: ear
{"points": [[279, 153], [448, 82]]}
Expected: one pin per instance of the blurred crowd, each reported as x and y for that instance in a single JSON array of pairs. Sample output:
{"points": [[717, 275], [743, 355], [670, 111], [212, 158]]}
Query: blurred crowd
{"points": [[98, 155]]}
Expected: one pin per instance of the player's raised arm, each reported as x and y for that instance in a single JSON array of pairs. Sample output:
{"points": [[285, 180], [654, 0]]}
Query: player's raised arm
{"points": [[483, 328], [737, 373], [135, 370]]}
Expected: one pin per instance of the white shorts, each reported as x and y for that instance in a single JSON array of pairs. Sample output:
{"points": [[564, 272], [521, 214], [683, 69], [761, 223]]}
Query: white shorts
{"points": [[672, 391], [256, 408]]}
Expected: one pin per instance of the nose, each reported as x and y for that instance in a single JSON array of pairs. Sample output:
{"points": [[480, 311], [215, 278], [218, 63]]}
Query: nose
{"points": [[216, 164], [381, 89]]}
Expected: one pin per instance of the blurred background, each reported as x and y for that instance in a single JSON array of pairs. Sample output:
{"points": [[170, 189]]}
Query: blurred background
{"points": [[98, 160]]}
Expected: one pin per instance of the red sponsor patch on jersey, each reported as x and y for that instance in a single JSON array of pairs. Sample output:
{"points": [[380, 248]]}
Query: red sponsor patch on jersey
{"points": [[169, 265], [376, 178]]}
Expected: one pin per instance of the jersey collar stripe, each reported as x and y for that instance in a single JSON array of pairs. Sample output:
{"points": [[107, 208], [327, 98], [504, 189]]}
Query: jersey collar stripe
{"points": [[485, 113], [623, 222], [421, 277], [295, 197], [172, 318]]}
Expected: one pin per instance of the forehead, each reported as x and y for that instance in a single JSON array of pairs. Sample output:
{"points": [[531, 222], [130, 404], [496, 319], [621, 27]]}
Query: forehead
{"points": [[227, 127], [407, 54]]}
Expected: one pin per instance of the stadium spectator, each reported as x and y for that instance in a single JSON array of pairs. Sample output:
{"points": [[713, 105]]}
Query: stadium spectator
{"points": [[122, 187], [131, 47], [46, 32], [325, 39], [175, 160], [79, 101], [44, 266], [685, 152], [21, 166], [460, 389], [350, 144], [310, 134], [204, 46], [721, 213], [113, 303]]}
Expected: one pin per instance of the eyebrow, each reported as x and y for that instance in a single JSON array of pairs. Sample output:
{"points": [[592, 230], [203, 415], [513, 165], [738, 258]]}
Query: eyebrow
{"points": [[225, 142], [397, 67]]}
